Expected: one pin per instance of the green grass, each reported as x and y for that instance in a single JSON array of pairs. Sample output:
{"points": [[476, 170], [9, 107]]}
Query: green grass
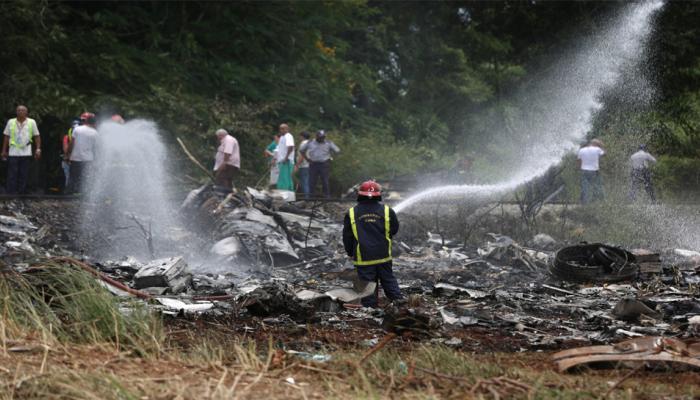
{"points": [[62, 304]]}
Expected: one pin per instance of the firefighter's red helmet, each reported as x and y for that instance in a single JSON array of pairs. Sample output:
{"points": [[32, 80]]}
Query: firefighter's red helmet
{"points": [[370, 189]]}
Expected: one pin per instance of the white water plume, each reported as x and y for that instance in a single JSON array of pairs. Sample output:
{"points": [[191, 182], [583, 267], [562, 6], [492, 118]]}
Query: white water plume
{"points": [[126, 191], [558, 110]]}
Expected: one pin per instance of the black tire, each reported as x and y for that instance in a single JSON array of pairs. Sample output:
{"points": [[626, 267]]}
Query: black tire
{"points": [[582, 263]]}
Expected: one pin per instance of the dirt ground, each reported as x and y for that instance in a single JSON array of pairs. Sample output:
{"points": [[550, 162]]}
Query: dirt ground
{"points": [[208, 360]]}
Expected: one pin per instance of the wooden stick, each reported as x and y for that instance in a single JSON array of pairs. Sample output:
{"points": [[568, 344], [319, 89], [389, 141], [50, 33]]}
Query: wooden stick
{"points": [[624, 378], [379, 346], [194, 160], [225, 201], [444, 376]]}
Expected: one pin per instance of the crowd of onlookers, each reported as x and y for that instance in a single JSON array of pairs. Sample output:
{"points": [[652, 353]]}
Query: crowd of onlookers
{"points": [[310, 161], [22, 143]]}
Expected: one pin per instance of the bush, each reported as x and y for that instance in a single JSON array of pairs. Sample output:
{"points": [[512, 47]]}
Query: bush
{"points": [[376, 156], [678, 177]]}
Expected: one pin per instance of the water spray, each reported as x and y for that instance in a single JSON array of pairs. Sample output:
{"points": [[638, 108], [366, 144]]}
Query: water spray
{"points": [[559, 108]]}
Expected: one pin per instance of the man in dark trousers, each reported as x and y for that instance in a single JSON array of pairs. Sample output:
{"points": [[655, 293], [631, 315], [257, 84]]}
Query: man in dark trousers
{"points": [[19, 135], [81, 152], [367, 232], [319, 152], [641, 162]]}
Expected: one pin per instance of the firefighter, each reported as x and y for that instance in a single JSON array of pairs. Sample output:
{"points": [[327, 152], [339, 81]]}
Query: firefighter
{"points": [[367, 232]]}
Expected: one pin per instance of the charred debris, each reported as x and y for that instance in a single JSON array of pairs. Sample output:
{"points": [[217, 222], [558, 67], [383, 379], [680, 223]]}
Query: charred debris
{"points": [[282, 263]]}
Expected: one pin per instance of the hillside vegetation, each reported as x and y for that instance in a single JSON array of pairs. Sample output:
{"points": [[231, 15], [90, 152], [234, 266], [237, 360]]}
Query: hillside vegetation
{"points": [[400, 86]]}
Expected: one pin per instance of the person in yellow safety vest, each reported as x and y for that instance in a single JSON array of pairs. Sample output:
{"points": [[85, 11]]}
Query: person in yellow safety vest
{"points": [[67, 139], [367, 231], [19, 135]]}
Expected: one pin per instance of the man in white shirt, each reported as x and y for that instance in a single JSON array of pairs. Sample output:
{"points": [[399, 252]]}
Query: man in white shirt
{"points": [[641, 174], [18, 137], [81, 151], [589, 163], [227, 161], [285, 159]]}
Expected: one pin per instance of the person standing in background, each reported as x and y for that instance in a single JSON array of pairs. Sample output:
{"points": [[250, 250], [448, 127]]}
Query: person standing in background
{"points": [[285, 159], [589, 164], [641, 162], [302, 166], [65, 144], [19, 134], [271, 154], [81, 151], [319, 153], [227, 160]]}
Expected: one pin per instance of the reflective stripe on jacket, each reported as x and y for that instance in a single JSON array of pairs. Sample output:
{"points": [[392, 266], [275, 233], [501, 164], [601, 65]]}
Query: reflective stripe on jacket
{"points": [[14, 127], [372, 233]]}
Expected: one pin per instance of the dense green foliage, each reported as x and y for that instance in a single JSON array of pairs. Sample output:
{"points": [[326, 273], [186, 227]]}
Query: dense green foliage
{"points": [[401, 86]]}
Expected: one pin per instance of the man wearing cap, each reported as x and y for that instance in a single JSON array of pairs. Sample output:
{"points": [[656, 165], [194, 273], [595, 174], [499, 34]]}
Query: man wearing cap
{"points": [[641, 162], [18, 137], [319, 152], [228, 159], [368, 229]]}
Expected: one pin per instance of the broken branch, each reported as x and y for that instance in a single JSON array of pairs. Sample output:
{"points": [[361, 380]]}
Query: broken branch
{"points": [[194, 160], [388, 338], [624, 378]]}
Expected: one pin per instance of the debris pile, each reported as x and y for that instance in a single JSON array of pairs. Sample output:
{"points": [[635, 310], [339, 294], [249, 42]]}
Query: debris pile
{"points": [[282, 263]]}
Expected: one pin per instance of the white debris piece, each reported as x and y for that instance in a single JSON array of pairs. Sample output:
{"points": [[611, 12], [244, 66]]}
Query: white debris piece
{"points": [[23, 246], [187, 308], [226, 247], [17, 227], [544, 241], [686, 253], [306, 294], [283, 195], [256, 215], [474, 294], [451, 319]]}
